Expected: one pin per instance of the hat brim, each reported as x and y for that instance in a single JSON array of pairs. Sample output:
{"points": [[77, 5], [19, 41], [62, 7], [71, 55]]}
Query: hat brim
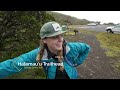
{"points": [[57, 33]]}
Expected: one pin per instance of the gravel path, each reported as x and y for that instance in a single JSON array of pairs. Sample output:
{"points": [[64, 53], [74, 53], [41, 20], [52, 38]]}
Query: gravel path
{"points": [[97, 65]]}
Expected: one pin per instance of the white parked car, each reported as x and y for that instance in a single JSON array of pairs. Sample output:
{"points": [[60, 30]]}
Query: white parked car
{"points": [[113, 29]]}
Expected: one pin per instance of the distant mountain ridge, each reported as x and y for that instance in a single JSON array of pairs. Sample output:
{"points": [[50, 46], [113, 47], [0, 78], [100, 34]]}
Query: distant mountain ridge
{"points": [[69, 20]]}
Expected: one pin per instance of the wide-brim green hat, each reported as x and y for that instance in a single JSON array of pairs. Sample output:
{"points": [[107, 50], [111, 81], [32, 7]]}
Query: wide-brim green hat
{"points": [[52, 29]]}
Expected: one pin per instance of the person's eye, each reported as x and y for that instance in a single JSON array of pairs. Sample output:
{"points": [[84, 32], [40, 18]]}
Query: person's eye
{"points": [[55, 37]]}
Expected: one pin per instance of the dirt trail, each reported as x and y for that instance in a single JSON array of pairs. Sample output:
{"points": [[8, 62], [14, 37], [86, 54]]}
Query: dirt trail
{"points": [[97, 65]]}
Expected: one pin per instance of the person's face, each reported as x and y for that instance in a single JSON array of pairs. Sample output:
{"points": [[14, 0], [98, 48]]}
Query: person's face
{"points": [[54, 43]]}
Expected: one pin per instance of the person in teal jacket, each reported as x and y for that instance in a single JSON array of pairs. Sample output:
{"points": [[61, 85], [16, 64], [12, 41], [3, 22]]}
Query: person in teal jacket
{"points": [[58, 57]]}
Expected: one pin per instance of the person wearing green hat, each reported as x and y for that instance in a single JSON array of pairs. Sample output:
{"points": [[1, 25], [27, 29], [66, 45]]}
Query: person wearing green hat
{"points": [[58, 57]]}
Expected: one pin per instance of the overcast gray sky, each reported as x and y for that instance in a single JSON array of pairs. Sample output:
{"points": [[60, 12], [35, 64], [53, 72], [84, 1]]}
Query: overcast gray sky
{"points": [[102, 16]]}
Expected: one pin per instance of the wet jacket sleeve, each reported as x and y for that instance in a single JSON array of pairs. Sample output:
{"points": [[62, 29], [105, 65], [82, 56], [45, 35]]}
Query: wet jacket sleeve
{"points": [[15, 65], [79, 51]]}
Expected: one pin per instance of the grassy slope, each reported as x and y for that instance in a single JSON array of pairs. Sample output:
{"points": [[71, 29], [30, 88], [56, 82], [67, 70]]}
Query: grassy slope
{"points": [[111, 42]]}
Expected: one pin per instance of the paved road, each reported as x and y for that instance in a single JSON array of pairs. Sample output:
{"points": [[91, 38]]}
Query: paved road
{"points": [[100, 28]]}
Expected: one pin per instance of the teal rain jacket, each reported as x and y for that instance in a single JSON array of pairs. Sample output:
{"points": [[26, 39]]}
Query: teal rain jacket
{"points": [[76, 53]]}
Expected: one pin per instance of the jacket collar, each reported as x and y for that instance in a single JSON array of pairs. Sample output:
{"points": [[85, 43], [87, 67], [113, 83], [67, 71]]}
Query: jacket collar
{"points": [[45, 54]]}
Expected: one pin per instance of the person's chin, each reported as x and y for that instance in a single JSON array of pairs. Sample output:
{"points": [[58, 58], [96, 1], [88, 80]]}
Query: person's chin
{"points": [[59, 48]]}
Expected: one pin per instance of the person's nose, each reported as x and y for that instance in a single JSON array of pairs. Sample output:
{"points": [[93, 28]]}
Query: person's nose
{"points": [[60, 38]]}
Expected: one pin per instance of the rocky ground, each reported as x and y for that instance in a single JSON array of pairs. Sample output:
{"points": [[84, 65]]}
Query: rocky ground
{"points": [[97, 65]]}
